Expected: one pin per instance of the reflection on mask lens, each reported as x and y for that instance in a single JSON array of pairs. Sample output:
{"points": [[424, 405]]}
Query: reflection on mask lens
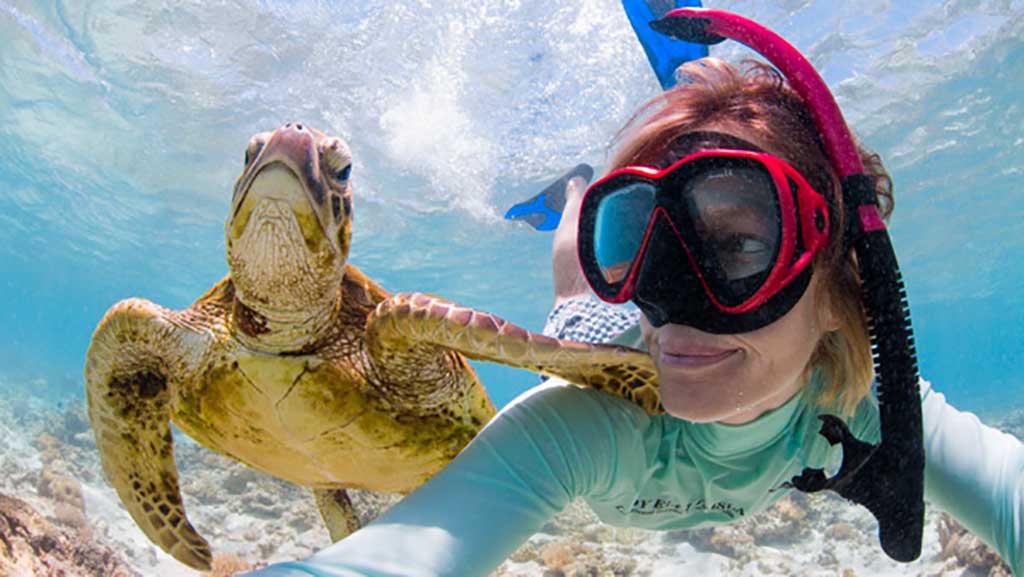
{"points": [[620, 222]]}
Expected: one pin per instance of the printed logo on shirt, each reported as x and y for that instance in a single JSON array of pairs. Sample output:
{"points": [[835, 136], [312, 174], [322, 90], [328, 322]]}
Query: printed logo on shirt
{"points": [[662, 505]]}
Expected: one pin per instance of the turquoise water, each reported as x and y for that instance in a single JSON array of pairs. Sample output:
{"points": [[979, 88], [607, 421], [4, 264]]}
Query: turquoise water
{"points": [[123, 126]]}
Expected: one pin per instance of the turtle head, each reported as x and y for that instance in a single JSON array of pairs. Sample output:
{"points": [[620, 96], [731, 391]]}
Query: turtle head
{"points": [[290, 225]]}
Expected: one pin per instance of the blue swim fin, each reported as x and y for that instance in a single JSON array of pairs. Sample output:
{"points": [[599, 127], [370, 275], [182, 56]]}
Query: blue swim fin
{"points": [[543, 211], [664, 53]]}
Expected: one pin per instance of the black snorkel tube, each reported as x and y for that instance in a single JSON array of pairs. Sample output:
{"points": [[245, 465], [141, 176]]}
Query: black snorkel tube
{"points": [[887, 478]]}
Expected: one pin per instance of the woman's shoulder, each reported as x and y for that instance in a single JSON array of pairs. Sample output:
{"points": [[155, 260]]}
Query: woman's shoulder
{"points": [[577, 411], [566, 397]]}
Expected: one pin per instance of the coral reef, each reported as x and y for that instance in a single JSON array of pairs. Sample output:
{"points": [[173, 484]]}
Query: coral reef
{"points": [[67, 497], [229, 566], [1011, 422], [30, 546], [48, 461], [571, 559], [968, 551], [48, 456]]}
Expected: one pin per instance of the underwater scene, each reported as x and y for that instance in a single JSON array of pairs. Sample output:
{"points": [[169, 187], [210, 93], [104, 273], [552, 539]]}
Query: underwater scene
{"points": [[124, 126]]}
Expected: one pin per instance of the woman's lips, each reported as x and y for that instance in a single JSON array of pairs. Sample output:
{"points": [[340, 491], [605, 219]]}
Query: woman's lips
{"points": [[694, 357]]}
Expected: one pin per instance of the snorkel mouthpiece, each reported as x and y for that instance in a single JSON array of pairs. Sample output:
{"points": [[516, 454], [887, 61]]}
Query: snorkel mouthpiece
{"points": [[887, 478]]}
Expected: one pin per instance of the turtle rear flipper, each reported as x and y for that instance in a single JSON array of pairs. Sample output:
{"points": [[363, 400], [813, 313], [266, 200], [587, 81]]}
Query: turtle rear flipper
{"points": [[408, 319], [126, 375], [337, 512]]}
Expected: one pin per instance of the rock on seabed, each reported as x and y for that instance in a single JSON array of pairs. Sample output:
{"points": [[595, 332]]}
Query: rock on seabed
{"points": [[30, 546]]}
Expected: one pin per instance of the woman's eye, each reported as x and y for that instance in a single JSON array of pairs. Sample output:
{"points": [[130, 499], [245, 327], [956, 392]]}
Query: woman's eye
{"points": [[750, 245], [741, 244]]}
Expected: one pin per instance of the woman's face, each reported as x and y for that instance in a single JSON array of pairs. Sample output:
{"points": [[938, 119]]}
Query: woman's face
{"points": [[733, 379], [707, 377]]}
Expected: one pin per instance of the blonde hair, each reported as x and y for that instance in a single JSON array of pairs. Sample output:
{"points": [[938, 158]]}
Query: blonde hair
{"points": [[757, 99]]}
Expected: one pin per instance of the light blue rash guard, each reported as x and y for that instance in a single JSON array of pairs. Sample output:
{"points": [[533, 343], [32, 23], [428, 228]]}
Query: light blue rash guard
{"points": [[557, 442]]}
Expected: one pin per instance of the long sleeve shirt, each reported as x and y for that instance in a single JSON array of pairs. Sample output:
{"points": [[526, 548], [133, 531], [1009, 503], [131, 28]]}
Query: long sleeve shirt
{"points": [[557, 442]]}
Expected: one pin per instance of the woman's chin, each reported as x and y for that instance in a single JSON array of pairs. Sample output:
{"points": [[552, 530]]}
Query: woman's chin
{"points": [[698, 406]]}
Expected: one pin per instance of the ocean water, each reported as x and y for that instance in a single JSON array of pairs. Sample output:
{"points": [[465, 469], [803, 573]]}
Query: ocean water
{"points": [[123, 126]]}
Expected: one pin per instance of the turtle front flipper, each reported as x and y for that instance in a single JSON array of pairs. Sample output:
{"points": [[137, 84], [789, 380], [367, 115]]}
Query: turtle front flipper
{"points": [[408, 319], [133, 352], [337, 512]]}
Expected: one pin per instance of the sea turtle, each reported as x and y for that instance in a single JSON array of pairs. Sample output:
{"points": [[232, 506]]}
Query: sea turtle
{"points": [[299, 365]]}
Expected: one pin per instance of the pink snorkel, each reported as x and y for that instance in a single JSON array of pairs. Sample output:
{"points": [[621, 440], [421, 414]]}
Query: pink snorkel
{"points": [[887, 478]]}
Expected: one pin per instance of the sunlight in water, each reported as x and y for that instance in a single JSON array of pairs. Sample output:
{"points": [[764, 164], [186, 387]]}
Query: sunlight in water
{"points": [[123, 127]]}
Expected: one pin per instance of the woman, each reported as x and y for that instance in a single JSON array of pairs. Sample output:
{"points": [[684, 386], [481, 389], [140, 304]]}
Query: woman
{"points": [[753, 316]]}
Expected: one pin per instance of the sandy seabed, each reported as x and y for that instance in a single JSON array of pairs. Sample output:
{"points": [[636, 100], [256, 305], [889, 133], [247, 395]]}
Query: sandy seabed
{"points": [[59, 517]]}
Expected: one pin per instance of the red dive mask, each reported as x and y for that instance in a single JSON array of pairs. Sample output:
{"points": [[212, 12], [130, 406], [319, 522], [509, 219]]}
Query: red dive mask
{"points": [[721, 240]]}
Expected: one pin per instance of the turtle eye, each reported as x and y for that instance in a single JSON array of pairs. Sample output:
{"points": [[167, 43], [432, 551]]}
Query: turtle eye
{"points": [[336, 159], [252, 150]]}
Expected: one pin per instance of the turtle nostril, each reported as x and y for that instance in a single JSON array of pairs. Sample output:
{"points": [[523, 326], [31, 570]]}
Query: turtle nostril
{"points": [[298, 127]]}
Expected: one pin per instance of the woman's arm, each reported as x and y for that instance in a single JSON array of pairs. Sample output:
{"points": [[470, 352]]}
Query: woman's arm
{"points": [[976, 474], [552, 444]]}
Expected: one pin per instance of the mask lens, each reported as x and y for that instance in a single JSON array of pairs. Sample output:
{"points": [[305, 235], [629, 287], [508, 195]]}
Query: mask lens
{"points": [[734, 213], [619, 225]]}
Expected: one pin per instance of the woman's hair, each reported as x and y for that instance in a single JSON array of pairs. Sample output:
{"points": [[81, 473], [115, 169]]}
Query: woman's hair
{"points": [[757, 100]]}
